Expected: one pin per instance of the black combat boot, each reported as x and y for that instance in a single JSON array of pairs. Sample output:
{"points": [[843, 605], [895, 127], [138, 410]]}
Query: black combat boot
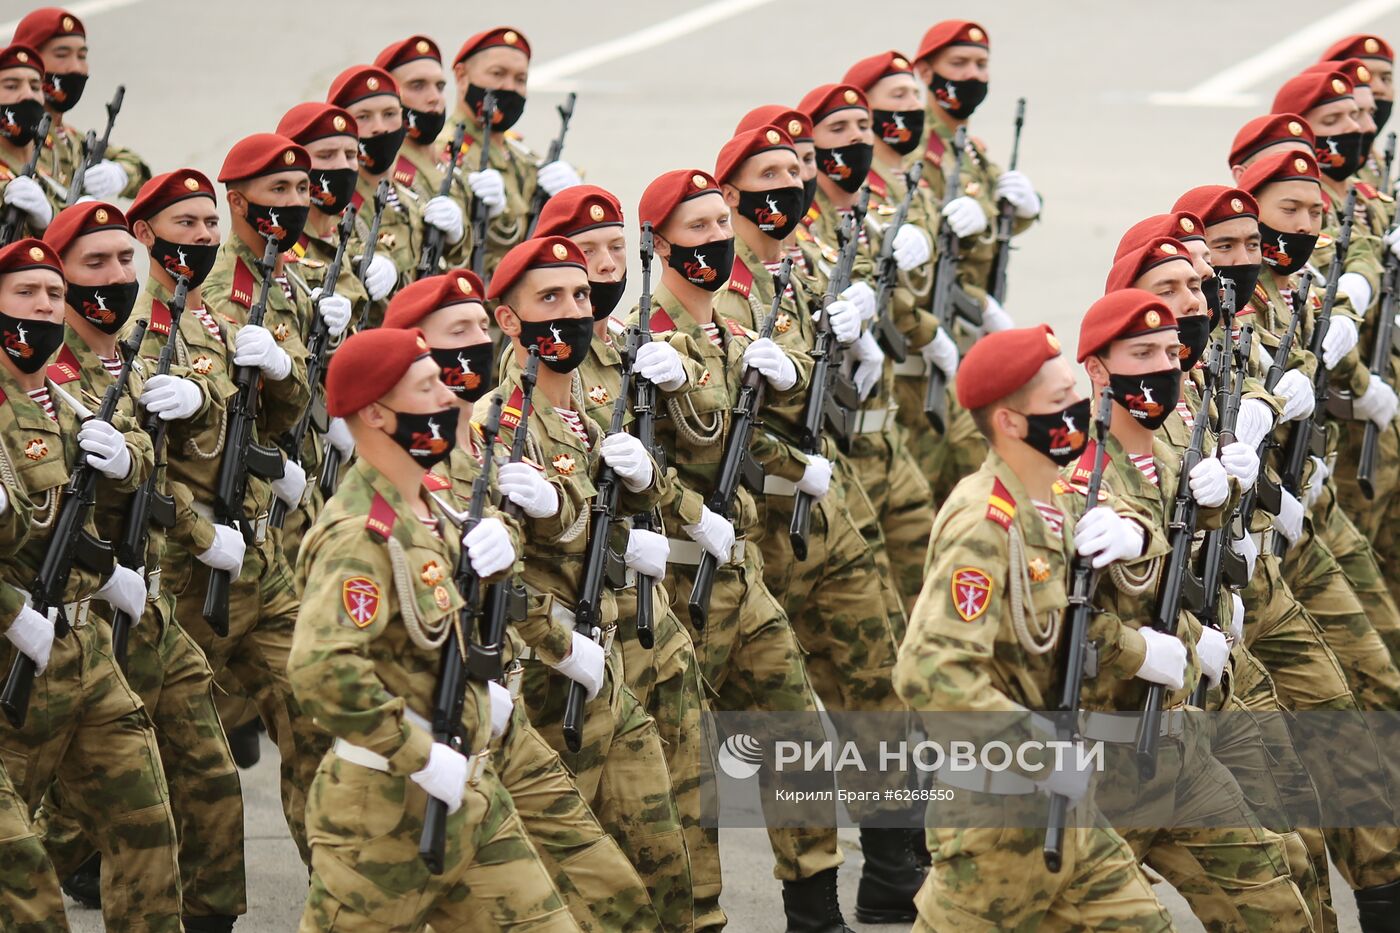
{"points": [[1378, 908], [890, 878], [813, 906], [918, 844], [85, 884], [244, 743], [212, 923]]}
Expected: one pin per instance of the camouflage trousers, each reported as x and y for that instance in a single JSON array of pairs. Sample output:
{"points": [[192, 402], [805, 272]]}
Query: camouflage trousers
{"points": [[262, 614], [944, 459], [30, 900], [87, 733], [168, 672], [364, 826], [1379, 518], [750, 660], [599, 886], [1361, 566]]}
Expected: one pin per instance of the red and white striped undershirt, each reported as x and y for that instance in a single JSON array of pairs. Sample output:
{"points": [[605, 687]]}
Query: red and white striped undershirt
{"points": [[112, 365], [1147, 465], [773, 268], [1184, 411], [432, 525], [208, 321], [575, 423], [711, 330], [1053, 516], [286, 286], [41, 395]]}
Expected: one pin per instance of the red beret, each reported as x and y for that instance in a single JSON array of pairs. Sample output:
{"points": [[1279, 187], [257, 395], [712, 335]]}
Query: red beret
{"points": [[1310, 89], [1179, 225], [952, 32], [1127, 312], [407, 50], [308, 122], [263, 154], [1362, 45], [164, 190], [29, 253], [1002, 362], [1135, 263], [1353, 69], [501, 35], [550, 252], [796, 123], [80, 220], [748, 144], [359, 82], [868, 72], [21, 56], [823, 101], [668, 191], [1215, 204], [1269, 130], [579, 209], [1280, 166], [368, 365], [45, 23], [417, 301]]}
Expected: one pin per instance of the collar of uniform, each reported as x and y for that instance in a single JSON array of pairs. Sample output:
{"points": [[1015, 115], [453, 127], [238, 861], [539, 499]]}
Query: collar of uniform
{"points": [[603, 353], [1129, 481], [1034, 531], [89, 364], [685, 324], [364, 190], [409, 529], [27, 413], [542, 413]]}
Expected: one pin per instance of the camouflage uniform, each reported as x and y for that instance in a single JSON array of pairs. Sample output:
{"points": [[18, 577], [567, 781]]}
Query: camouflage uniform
{"points": [[519, 168], [419, 169], [63, 153], [9, 170]]}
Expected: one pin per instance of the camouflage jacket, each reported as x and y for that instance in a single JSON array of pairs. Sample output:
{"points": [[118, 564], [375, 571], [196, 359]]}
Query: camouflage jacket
{"points": [[418, 169], [63, 152], [519, 168]]}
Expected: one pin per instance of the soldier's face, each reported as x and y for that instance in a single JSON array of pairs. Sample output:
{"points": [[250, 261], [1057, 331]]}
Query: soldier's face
{"points": [[546, 295], [843, 128], [1053, 389], [66, 56], [606, 251], [807, 159], [193, 220], [1382, 78], [101, 258], [1137, 356], [1336, 118], [422, 85], [459, 325], [1176, 283], [777, 168], [1234, 242], [419, 392], [1365, 109], [377, 115], [695, 222], [17, 84], [956, 62], [496, 69], [1291, 206], [280, 189], [335, 152], [896, 92], [1200, 258], [33, 295]]}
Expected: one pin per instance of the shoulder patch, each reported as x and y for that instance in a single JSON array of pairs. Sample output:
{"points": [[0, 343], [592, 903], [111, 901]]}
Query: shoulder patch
{"points": [[1324, 240], [933, 152], [405, 171], [361, 598], [878, 185], [160, 317], [510, 412], [435, 482], [65, 368], [1083, 468], [1001, 505], [972, 593], [381, 518], [243, 285], [741, 279]]}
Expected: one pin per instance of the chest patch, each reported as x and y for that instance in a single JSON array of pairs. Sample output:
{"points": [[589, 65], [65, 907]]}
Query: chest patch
{"points": [[36, 449], [361, 598], [1039, 569], [598, 395], [564, 464]]}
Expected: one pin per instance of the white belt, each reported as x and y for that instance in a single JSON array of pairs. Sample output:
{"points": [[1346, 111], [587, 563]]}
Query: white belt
{"points": [[77, 612], [365, 758], [872, 420], [259, 524], [1002, 783], [564, 615], [687, 552], [914, 365], [153, 585], [1123, 728], [777, 486]]}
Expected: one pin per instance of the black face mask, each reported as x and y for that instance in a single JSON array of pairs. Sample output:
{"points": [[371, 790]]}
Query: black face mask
{"points": [[429, 438], [466, 370], [1339, 156], [1241, 279], [776, 212], [901, 130], [1149, 398], [29, 344], [1060, 435], [958, 98], [510, 105], [191, 260], [809, 194], [846, 166], [705, 266], [1194, 333], [1381, 116], [562, 342], [423, 126], [105, 307], [332, 188], [19, 122], [281, 223], [1286, 253], [377, 152], [605, 296], [62, 92]]}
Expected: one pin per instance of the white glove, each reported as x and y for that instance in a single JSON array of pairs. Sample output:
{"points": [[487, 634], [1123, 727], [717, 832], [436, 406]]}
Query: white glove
{"points": [[585, 664], [1210, 484], [1213, 652], [628, 459], [1392, 239], [1289, 520], [4, 500], [1165, 661], [1376, 405], [1072, 780], [713, 533], [1254, 422], [816, 478], [444, 777], [125, 589], [768, 358], [1318, 482], [105, 180], [1357, 290], [501, 703], [1236, 619], [334, 310], [526, 487], [556, 176], [660, 364], [863, 297], [490, 189], [870, 363], [170, 397], [1017, 188], [965, 216], [941, 352], [24, 193], [1105, 536], [32, 634], [1245, 547], [489, 548], [290, 486], [994, 316], [380, 277], [1242, 462], [106, 448], [911, 247], [844, 318], [1341, 337], [445, 214], [255, 346], [1297, 393], [338, 436], [226, 553], [647, 552]]}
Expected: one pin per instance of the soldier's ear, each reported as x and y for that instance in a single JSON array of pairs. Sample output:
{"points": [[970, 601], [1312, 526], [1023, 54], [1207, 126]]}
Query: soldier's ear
{"points": [[731, 195], [374, 415], [662, 247], [237, 203], [1097, 370], [144, 234], [1010, 423], [508, 321]]}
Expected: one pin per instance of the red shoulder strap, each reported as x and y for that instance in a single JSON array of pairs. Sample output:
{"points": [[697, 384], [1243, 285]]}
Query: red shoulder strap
{"points": [[933, 152], [436, 483], [381, 518], [160, 317], [405, 171], [65, 368], [741, 279], [510, 414], [878, 186], [243, 285], [661, 322]]}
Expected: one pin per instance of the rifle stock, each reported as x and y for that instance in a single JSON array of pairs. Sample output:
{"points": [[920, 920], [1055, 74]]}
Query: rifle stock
{"points": [[1006, 219]]}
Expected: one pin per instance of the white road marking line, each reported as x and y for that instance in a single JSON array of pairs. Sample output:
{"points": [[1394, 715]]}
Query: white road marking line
{"points": [[1230, 87], [83, 8], [549, 75]]}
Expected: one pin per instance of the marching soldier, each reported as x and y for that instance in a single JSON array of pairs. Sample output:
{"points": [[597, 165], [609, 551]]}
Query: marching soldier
{"points": [[1378, 57], [29, 198]]}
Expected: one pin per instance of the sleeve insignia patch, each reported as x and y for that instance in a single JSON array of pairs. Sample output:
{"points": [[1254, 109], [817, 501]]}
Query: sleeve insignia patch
{"points": [[361, 598], [972, 592]]}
